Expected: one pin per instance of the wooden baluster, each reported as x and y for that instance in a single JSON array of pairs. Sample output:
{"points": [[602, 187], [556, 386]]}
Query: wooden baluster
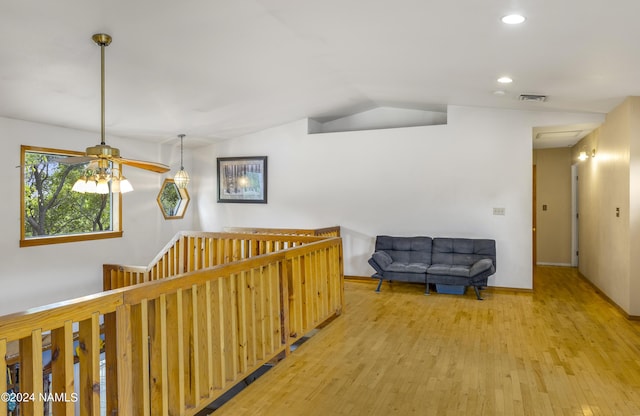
{"points": [[252, 318], [197, 358], [231, 327], [219, 331], [62, 374], [206, 335], [175, 353], [31, 374], [188, 340], [283, 284], [262, 313], [124, 349], [158, 337], [216, 252], [89, 356], [275, 329], [243, 329], [323, 276], [111, 362], [3, 375], [317, 286], [107, 273], [296, 296], [190, 255], [140, 357], [308, 290], [213, 254]]}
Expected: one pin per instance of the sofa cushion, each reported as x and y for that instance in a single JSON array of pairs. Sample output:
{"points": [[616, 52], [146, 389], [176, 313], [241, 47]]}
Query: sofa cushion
{"points": [[405, 249], [449, 270], [460, 270], [462, 251], [397, 266]]}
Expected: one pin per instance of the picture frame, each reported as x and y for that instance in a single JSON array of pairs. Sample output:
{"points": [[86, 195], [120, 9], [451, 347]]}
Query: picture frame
{"points": [[242, 179]]}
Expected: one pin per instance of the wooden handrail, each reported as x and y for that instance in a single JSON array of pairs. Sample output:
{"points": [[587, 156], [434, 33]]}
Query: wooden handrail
{"points": [[200, 332], [327, 231]]}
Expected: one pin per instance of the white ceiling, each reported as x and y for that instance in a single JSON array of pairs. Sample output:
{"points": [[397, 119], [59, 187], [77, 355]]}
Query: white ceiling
{"points": [[215, 69]]}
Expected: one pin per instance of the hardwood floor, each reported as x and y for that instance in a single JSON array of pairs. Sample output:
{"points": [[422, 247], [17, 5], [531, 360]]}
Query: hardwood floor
{"points": [[561, 350]]}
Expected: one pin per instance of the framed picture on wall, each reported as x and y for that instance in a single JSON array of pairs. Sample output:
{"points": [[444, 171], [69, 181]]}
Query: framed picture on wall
{"points": [[242, 179]]}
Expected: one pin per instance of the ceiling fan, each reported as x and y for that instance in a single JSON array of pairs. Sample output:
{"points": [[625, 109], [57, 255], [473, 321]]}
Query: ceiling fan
{"points": [[103, 153]]}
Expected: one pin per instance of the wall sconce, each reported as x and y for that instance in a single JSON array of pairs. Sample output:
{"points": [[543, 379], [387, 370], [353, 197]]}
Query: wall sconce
{"points": [[582, 156]]}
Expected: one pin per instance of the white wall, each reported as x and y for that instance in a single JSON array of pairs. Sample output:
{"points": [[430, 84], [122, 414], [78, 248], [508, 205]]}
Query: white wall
{"points": [[435, 180], [34, 276]]}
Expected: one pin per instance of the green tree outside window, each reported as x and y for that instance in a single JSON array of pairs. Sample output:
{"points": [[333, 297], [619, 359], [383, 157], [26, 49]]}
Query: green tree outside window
{"points": [[50, 209]]}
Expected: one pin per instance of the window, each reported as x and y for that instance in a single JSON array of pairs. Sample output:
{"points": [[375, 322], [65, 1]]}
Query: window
{"points": [[51, 212], [172, 200]]}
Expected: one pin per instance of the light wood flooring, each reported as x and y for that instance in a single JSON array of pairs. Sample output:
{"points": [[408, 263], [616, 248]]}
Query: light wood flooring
{"points": [[561, 350]]}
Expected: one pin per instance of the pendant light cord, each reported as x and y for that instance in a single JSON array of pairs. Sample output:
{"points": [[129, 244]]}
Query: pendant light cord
{"points": [[181, 151]]}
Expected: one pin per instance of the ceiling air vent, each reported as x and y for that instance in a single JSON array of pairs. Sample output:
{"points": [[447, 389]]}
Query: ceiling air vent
{"points": [[533, 97]]}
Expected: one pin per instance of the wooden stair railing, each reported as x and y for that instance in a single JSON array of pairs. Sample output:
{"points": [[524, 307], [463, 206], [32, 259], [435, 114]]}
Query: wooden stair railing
{"points": [[317, 232], [190, 251], [174, 345]]}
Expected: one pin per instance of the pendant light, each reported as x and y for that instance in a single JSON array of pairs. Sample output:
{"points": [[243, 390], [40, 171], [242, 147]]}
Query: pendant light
{"points": [[182, 177]]}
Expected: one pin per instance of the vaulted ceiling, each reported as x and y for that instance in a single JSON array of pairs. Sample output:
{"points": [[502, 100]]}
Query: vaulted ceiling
{"points": [[216, 69]]}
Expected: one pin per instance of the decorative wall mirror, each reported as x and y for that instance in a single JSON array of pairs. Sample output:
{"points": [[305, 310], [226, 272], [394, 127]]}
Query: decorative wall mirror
{"points": [[172, 200]]}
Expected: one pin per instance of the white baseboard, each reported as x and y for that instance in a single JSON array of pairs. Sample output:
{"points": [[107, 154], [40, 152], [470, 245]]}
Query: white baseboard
{"points": [[541, 263]]}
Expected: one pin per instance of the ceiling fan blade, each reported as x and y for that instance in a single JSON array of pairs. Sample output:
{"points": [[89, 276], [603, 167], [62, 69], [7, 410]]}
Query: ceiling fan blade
{"points": [[74, 160], [141, 164]]}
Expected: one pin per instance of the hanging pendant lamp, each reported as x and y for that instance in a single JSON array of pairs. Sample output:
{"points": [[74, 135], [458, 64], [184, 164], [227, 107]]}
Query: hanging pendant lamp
{"points": [[182, 177]]}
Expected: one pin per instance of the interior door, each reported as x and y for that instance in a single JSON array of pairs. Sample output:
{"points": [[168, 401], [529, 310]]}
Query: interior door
{"points": [[533, 222]]}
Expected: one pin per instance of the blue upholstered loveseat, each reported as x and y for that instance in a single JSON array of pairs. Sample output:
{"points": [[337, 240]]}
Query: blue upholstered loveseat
{"points": [[442, 261]]}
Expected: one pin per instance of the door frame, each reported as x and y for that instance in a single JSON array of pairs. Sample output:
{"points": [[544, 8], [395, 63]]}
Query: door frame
{"points": [[575, 217]]}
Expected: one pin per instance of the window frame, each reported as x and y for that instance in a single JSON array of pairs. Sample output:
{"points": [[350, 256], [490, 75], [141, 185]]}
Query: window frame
{"points": [[116, 207], [182, 206]]}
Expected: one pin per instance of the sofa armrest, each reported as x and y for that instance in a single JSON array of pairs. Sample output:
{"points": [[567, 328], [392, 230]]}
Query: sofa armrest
{"points": [[380, 260], [481, 266]]}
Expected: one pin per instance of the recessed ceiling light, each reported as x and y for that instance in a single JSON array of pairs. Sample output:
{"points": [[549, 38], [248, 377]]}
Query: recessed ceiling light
{"points": [[505, 80], [513, 19]]}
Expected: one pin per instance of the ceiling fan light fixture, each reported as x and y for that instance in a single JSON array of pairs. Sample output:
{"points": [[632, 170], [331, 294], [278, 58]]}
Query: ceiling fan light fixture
{"points": [[102, 186], [91, 186], [119, 183], [81, 185], [181, 179], [125, 185]]}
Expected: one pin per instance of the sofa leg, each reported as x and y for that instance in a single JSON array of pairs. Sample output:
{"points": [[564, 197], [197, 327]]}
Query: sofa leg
{"points": [[475, 288], [379, 284], [426, 290]]}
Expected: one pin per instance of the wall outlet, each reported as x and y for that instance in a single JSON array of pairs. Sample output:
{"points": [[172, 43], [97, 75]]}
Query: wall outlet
{"points": [[498, 211]]}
